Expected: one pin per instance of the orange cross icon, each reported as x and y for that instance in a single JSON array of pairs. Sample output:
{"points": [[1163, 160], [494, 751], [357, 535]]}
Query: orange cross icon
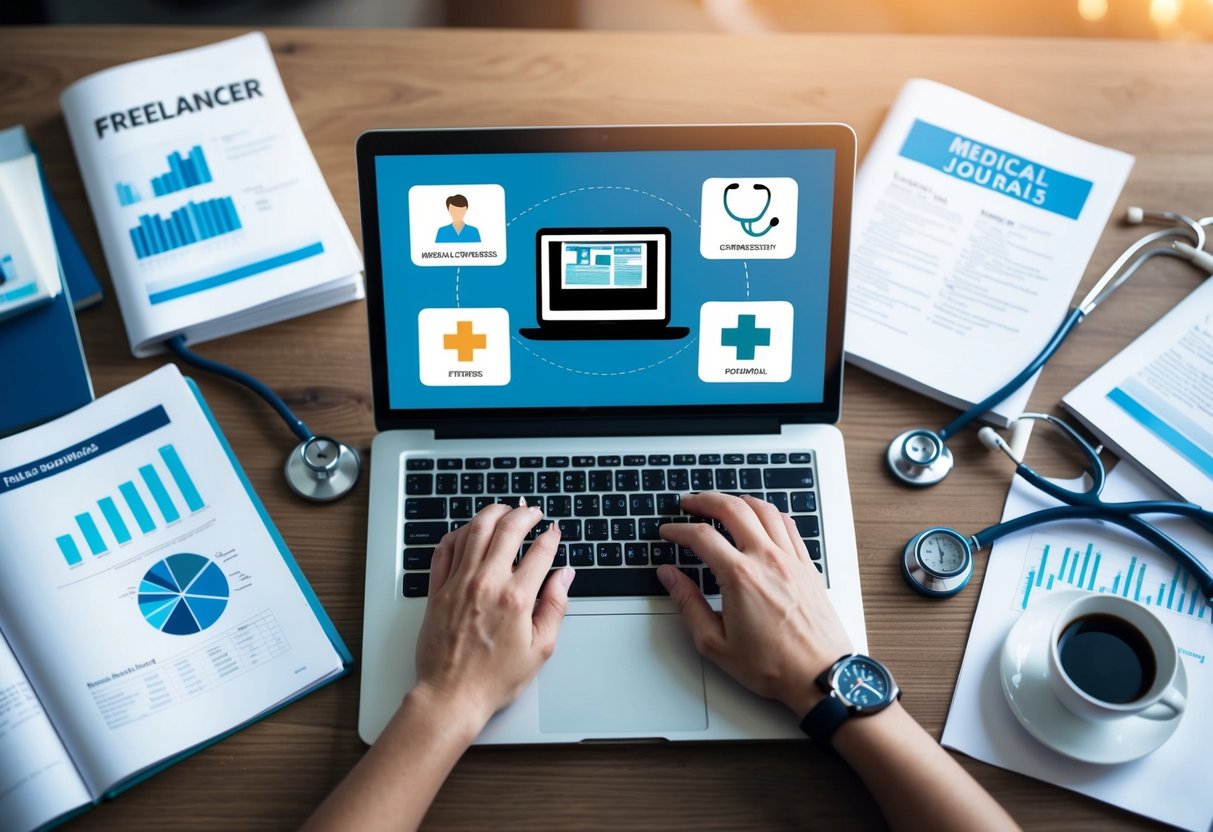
{"points": [[464, 341]]}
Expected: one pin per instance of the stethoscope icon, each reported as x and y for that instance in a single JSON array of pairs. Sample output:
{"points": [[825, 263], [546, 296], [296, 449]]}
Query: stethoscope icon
{"points": [[747, 223]]}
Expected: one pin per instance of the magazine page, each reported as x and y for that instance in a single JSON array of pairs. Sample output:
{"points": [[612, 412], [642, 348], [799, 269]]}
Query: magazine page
{"points": [[207, 198], [141, 590], [973, 227], [38, 781], [1153, 402]]}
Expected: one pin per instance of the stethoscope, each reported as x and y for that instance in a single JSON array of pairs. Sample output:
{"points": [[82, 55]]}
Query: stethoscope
{"points": [[747, 223], [319, 468], [939, 561], [920, 456]]}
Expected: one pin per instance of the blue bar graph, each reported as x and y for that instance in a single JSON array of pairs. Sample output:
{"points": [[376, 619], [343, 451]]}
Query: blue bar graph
{"points": [[151, 478], [192, 499], [135, 503], [7, 270], [1080, 568], [127, 195], [183, 172], [92, 535], [166, 482], [117, 525], [191, 223], [68, 547]]}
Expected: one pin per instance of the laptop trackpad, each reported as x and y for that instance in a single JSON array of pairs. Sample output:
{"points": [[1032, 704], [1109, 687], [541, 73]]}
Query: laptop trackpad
{"points": [[636, 674]]}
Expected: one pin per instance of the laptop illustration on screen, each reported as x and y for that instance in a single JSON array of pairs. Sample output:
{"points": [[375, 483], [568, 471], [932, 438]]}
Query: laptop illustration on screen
{"points": [[597, 284]]}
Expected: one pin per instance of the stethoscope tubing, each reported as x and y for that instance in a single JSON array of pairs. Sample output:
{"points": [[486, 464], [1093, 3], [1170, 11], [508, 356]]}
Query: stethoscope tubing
{"points": [[177, 347], [1073, 318], [1106, 513]]}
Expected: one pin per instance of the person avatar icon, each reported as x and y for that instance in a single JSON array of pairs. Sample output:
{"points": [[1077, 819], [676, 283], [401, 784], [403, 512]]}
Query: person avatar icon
{"points": [[458, 231]]}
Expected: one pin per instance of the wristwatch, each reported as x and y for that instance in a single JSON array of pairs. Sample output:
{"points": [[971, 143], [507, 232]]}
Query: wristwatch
{"points": [[855, 685]]}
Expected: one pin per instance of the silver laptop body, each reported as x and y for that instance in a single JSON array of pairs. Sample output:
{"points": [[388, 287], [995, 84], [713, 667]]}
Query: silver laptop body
{"points": [[731, 380]]}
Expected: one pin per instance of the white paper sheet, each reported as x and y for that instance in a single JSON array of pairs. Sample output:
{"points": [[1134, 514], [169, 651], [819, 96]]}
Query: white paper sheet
{"points": [[1153, 402], [1172, 783]]}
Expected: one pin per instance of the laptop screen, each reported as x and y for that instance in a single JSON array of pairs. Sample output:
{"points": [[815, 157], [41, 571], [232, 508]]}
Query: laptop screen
{"points": [[607, 279]]}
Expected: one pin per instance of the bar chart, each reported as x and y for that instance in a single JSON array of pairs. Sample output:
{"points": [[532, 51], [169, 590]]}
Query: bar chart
{"points": [[1087, 566], [183, 172], [127, 195], [191, 223], [118, 517], [7, 270]]}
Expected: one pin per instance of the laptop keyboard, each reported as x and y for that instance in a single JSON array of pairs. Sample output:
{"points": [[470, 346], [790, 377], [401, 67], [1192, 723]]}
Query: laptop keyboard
{"points": [[609, 509]]}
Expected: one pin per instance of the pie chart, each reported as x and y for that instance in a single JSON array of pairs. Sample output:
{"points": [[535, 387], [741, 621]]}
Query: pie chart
{"points": [[183, 594]]}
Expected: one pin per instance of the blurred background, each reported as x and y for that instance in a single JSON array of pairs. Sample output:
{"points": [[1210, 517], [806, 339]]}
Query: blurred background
{"points": [[1142, 19]]}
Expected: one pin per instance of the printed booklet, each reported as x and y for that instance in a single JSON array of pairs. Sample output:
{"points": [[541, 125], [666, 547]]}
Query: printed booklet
{"points": [[148, 606], [211, 208]]}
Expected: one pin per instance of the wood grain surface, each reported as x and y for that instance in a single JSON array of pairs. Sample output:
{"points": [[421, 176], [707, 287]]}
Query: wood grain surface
{"points": [[1149, 99]]}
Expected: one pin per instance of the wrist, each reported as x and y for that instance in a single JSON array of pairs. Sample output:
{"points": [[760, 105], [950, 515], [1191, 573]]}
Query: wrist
{"points": [[803, 694], [461, 717]]}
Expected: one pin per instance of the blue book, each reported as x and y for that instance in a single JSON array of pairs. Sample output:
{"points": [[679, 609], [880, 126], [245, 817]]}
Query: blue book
{"points": [[151, 606], [44, 371]]}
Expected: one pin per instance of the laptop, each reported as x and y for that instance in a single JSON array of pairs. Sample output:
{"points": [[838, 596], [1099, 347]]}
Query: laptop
{"points": [[603, 284], [600, 319]]}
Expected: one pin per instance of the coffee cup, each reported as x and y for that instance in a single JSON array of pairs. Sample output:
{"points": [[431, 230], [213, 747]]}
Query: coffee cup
{"points": [[1111, 658]]}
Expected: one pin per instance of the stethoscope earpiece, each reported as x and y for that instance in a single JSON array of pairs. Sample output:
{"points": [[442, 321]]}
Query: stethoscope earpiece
{"points": [[919, 457], [322, 469]]}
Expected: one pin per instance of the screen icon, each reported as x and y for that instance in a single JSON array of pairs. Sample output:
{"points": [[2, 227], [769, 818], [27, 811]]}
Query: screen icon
{"points": [[745, 341], [457, 225], [748, 218], [464, 347]]}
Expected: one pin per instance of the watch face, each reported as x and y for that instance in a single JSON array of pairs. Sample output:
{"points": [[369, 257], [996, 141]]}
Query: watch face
{"points": [[863, 683]]}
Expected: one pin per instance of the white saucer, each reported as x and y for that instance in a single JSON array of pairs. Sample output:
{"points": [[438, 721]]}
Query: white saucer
{"points": [[1024, 668]]}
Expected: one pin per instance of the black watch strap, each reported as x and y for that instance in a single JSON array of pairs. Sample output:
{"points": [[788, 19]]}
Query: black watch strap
{"points": [[823, 720]]}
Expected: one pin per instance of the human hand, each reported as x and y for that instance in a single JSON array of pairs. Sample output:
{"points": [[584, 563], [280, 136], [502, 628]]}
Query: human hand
{"points": [[485, 635], [777, 630]]}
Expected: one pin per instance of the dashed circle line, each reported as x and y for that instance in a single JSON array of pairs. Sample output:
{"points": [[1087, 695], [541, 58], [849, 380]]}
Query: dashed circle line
{"points": [[457, 268], [744, 263], [558, 365], [602, 188]]}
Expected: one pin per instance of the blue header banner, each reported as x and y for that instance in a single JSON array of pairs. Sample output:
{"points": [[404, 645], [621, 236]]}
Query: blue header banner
{"points": [[85, 450], [996, 169]]}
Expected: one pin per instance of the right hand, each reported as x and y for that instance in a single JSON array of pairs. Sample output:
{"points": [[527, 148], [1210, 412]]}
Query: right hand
{"points": [[777, 630]]}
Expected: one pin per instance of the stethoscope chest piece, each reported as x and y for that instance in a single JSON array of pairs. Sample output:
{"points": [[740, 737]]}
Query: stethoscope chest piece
{"points": [[919, 457], [322, 469], [937, 562]]}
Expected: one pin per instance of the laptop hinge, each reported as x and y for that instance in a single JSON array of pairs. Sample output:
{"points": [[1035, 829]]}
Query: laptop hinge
{"points": [[673, 426]]}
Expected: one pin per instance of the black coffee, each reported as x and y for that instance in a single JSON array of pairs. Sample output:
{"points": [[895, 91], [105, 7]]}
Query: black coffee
{"points": [[1107, 657]]}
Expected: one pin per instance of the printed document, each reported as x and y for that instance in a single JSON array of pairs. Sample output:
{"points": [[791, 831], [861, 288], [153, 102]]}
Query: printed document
{"points": [[212, 211], [972, 230], [1170, 784], [1153, 403], [147, 605]]}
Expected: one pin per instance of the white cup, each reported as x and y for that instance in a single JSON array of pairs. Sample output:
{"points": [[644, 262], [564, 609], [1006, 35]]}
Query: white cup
{"points": [[1163, 700]]}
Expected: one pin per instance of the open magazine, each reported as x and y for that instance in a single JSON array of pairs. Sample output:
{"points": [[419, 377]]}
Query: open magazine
{"points": [[210, 206], [148, 605]]}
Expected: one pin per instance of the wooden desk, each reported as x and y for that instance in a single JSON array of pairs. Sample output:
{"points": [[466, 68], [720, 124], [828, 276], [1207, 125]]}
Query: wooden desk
{"points": [[1146, 98]]}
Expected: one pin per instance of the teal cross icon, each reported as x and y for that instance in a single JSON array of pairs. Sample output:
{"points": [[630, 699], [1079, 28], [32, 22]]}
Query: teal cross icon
{"points": [[746, 336]]}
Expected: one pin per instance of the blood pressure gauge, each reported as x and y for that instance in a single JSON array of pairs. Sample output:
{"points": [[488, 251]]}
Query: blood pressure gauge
{"points": [[938, 562]]}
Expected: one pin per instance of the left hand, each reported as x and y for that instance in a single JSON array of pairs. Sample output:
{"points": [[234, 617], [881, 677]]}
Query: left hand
{"points": [[488, 626]]}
